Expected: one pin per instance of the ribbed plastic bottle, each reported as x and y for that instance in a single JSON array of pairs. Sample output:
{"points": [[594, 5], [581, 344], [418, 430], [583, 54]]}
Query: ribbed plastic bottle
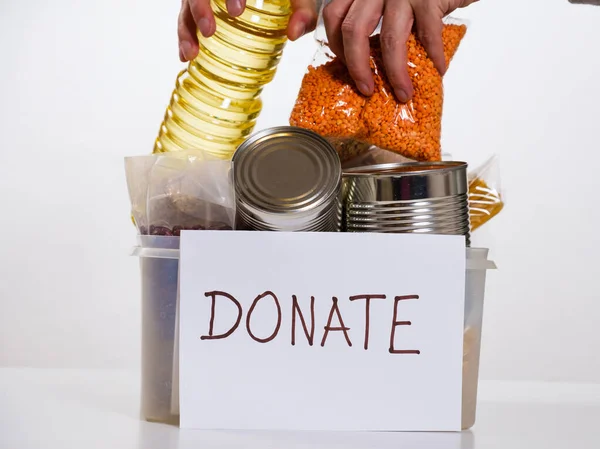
{"points": [[216, 101]]}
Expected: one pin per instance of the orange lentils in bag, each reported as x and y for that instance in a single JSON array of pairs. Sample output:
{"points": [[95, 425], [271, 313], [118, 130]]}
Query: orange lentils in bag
{"points": [[329, 103]]}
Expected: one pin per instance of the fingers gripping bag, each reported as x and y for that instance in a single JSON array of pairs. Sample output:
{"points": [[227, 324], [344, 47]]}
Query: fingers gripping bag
{"points": [[330, 104]]}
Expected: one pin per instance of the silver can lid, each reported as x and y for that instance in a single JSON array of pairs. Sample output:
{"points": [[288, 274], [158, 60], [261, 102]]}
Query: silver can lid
{"points": [[286, 169], [406, 168]]}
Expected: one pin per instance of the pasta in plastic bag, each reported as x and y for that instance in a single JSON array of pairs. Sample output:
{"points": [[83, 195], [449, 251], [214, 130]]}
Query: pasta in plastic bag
{"points": [[329, 103], [486, 199]]}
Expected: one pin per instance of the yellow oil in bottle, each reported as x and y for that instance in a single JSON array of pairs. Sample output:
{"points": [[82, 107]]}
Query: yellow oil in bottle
{"points": [[216, 100]]}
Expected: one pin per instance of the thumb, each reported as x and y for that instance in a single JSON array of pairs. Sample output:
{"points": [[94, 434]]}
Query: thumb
{"points": [[304, 18]]}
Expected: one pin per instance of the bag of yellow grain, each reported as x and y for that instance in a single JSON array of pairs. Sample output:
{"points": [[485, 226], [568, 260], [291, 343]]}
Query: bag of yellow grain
{"points": [[486, 198]]}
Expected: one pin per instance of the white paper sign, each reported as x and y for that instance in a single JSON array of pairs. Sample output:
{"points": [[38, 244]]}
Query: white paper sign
{"points": [[321, 331]]}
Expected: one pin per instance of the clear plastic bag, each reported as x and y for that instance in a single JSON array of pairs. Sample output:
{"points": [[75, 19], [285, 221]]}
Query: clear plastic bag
{"points": [[171, 192], [486, 199], [376, 156], [329, 104]]}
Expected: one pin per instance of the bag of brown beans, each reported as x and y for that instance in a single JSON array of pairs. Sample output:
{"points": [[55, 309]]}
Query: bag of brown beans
{"points": [[330, 104], [171, 192]]}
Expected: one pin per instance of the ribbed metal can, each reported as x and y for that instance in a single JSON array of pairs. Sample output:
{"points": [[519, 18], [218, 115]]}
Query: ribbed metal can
{"points": [[420, 197], [287, 179]]}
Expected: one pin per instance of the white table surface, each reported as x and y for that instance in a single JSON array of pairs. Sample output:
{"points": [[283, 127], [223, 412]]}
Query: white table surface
{"points": [[81, 409]]}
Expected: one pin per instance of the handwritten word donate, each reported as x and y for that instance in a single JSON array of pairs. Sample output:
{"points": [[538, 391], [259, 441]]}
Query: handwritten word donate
{"points": [[299, 315]]}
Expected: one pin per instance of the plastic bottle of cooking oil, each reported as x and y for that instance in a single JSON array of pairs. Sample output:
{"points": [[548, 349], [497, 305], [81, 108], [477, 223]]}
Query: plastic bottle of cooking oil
{"points": [[216, 100]]}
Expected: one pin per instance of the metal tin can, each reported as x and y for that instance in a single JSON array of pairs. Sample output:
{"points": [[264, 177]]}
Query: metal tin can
{"points": [[420, 197], [287, 179]]}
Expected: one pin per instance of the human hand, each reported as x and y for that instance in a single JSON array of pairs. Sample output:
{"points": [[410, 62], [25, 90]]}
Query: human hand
{"points": [[197, 15], [349, 23]]}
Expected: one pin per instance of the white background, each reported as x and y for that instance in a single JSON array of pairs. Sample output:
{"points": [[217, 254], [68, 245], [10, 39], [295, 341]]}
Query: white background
{"points": [[85, 83]]}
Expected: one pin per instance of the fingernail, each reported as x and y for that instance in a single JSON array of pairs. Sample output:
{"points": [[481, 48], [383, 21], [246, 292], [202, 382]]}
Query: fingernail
{"points": [[364, 88], [402, 95], [234, 7], [300, 31], [204, 26], [186, 50]]}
